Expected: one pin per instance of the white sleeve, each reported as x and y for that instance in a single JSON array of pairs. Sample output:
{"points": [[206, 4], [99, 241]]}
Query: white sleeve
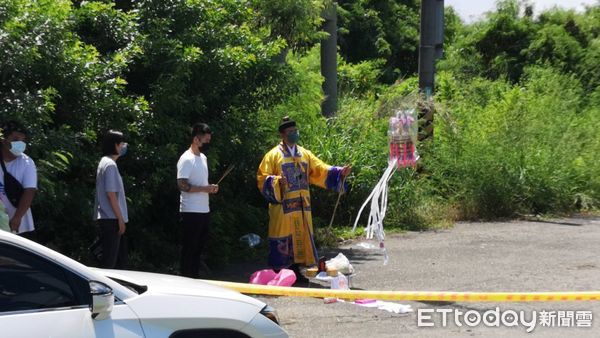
{"points": [[30, 175], [184, 168]]}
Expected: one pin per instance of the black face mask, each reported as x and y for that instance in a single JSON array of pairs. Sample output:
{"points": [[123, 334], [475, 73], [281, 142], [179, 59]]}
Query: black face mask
{"points": [[204, 147]]}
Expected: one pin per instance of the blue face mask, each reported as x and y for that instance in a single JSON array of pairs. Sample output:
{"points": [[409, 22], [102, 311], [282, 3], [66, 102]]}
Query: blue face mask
{"points": [[17, 147], [123, 149], [293, 137]]}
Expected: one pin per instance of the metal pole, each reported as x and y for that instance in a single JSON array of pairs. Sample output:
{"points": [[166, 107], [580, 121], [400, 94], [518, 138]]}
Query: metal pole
{"points": [[430, 44], [329, 61], [430, 49]]}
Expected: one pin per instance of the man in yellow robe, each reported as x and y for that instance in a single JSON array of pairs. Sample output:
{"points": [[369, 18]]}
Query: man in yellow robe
{"points": [[283, 178]]}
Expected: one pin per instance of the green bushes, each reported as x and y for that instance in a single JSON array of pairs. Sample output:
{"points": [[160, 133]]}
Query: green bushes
{"points": [[516, 130], [515, 124], [499, 150], [73, 71], [518, 149]]}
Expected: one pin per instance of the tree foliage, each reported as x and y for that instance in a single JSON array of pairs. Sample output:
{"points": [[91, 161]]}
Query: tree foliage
{"points": [[509, 40], [72, 71], [386, 30], [516, 126]]}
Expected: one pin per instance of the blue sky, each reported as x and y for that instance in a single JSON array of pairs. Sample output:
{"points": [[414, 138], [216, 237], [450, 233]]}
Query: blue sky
{"points": [[471, 10]]}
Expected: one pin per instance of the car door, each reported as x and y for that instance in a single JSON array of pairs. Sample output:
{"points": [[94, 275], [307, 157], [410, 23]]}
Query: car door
{"points": [[39, 298]]}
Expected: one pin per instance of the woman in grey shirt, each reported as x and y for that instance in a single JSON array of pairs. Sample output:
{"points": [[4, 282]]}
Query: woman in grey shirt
{"points": [[110, 207]]}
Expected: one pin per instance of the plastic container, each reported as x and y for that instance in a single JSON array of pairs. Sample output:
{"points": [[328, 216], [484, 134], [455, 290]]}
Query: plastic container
{"points": [[402, 136], [340, 283], [311, 272], [251, 239]]}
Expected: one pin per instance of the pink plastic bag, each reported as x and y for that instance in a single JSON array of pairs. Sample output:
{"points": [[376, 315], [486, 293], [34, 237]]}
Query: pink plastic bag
{"points": [[285, 277], [262, 277]]}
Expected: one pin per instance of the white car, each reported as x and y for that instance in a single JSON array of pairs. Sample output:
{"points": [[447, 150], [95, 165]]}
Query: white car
{"points": [[45, 294]]}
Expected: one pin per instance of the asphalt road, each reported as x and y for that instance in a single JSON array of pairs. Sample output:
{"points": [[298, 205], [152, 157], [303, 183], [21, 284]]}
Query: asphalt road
{"points": [[518, 256]]}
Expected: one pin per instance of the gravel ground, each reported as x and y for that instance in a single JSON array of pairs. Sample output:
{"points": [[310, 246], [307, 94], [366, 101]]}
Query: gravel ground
{"points": [[517, 256]]}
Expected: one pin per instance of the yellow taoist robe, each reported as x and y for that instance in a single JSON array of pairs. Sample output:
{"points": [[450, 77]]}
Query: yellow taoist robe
{"points": [[290, 221]]}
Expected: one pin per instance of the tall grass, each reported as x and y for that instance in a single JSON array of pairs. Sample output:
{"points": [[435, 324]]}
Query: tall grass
{"points": [[505, 150], [498, 150]]}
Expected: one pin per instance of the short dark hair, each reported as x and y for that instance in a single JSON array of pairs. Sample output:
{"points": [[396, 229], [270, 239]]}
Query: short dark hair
{"points": [[110, 140], [9, 127], [200, 129]]}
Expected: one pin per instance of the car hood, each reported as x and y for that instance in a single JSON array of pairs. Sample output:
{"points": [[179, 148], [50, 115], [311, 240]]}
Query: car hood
{"points": [[177, 285]]}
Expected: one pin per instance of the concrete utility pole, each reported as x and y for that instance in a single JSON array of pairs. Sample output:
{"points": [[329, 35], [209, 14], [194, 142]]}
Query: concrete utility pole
{"points": [[431, 42], [430, 49], [329, 61]]}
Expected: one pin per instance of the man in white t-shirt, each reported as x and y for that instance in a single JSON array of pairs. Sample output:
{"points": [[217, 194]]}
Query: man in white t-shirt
{"points": [[23, 169], [192, 181]]}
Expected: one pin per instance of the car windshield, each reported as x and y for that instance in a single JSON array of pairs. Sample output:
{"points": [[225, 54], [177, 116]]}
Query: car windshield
{"points": [[139, 289]]}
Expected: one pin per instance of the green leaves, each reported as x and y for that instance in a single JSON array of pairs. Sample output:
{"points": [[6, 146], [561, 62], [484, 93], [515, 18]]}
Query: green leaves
{"points": [[104, 27], [380, 30], [150, 69], [504, 44], [296, 21], [517, 93], [517, 149]]}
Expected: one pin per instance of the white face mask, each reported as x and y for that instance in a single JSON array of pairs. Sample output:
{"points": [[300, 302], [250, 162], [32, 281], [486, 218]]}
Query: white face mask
{"points": [[17, 147]]}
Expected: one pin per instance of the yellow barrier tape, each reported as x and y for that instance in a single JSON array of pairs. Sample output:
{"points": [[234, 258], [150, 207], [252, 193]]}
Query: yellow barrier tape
{"points": [[491, 297]]}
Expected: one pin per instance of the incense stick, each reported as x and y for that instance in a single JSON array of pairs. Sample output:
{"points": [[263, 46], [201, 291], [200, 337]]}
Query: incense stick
{"points": [[227, 171], [340, 192]]}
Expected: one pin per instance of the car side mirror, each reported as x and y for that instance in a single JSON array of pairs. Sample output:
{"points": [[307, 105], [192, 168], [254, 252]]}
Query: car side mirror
{"points": [[103, 300]]}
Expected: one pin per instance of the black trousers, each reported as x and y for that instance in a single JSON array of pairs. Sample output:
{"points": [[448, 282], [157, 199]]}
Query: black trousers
{"points": [[30, 235], [195, 236], [114, 246]]}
